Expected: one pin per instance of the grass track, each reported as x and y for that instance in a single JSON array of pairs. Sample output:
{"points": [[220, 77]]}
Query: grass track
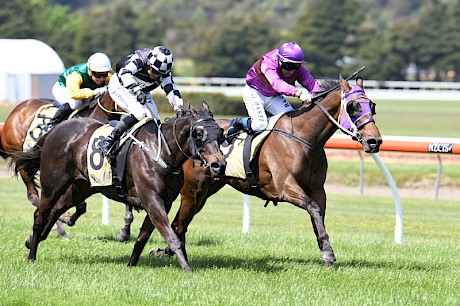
{"points": [[276, 264]]}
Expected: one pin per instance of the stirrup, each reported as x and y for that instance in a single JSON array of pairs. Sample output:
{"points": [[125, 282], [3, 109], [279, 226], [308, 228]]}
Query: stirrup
{"points": [[105, 147]]}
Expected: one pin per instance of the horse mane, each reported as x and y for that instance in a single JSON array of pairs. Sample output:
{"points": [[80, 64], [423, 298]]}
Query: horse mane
{"points": [[327, 84]]}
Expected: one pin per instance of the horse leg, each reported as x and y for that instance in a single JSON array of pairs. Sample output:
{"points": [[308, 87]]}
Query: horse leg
{"points": [[297, 196], [158, 216], [125, 232], [193, 198], [80, 210], [32, 192], [327, 254], [40, 218], [144, 235], [52, 215]]}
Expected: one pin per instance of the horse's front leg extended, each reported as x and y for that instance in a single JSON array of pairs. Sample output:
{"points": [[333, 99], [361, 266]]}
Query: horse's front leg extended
{"points": [[125, 232], [298, 197], [327, 254]]}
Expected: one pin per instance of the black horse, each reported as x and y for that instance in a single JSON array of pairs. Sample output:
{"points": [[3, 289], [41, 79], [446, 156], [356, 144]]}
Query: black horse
{"points": [[150, 183]]}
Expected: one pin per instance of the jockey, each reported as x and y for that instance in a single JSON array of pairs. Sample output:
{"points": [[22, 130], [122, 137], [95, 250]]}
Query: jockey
{"points": [[79, 83], [136, 75], [267, 82]]}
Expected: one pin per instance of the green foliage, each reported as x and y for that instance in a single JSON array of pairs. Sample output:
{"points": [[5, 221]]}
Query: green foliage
{"points": [[224, 38], [220, 104]]}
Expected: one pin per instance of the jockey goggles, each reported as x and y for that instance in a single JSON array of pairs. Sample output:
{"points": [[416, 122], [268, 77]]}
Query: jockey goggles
{"points": [[289, 66], [100, 75]]}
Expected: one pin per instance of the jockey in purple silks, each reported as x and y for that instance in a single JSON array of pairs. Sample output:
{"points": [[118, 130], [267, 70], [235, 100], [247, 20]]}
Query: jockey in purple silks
{"points": [[268, 81]]}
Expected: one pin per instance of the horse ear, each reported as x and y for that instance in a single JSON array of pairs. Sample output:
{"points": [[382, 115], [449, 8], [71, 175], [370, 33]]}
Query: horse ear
{"points": [[359, 81], [205, 106], [192, 109], [344, 84]]}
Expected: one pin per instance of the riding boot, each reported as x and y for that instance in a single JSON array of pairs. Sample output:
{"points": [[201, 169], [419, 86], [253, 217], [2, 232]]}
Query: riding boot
{"points": [[236, 125], [122, 126], [61, 114]]}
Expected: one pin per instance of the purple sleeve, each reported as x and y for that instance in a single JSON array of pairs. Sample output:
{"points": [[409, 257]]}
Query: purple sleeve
{"points": [[307, 80]]}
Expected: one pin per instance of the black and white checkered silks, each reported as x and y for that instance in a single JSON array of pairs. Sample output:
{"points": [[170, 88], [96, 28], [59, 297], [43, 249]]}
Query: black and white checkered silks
{"points": [[161, 59]]}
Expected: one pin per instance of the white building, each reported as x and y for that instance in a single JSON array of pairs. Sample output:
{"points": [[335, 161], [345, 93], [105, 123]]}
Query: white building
{"points": [[28, 69]]}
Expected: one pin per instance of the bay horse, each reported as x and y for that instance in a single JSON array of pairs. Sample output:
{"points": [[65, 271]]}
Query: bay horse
{"points": [[291, 164], [17, 125], [61, 157]]}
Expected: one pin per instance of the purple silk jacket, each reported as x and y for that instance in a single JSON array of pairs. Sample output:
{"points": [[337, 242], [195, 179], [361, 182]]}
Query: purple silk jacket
{"points": [[265, 76]]}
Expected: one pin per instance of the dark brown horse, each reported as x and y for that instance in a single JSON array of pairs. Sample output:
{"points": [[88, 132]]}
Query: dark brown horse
{"points": [[17, 125], [292, 164], [150, 183]]}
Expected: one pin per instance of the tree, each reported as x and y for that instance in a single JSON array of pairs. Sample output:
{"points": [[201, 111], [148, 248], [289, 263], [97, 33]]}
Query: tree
{"points": [[326, 33], [232, 49]]}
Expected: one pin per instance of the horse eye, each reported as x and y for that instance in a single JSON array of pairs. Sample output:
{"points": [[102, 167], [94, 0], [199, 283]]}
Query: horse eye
{"points": [[354, 109], [200, 134]]}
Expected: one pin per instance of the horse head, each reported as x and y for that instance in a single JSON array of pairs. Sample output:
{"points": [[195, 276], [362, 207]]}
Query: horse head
{"points": [[356, 115], [204, 140]]}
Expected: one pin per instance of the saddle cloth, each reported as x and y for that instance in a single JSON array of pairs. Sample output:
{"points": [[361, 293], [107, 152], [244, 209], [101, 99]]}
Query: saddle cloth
{"points": [[39, 125], [99, 166], [234, 152]]}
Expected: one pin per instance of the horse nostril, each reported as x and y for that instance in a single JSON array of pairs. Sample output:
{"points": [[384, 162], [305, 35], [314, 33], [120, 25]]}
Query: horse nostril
{"points": [[218, 167]]}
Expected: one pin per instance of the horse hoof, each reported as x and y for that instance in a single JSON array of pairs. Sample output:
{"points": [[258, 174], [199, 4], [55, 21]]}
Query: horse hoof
{"points": [[157, 251], [328, 258], [123, 236], [28, 242]]}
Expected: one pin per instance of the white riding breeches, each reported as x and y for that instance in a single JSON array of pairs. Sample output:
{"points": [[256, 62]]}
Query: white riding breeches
{"points": [[128, 102], [257, 104], [61, 95]]}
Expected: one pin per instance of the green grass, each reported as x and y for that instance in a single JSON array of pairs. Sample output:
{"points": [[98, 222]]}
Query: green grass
{"points": [[418, 118], [404, 175], [277, 263]]}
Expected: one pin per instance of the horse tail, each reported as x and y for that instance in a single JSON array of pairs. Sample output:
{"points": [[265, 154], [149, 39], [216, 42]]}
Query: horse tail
{"points": [[3, 154], [28, 161]]}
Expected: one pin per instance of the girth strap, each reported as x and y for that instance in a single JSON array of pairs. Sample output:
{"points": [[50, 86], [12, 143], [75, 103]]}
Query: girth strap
{"points": [[246, 161]]}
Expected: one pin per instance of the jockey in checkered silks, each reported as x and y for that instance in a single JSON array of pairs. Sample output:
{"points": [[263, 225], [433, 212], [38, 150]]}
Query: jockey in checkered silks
{"points": [[136, 75]]}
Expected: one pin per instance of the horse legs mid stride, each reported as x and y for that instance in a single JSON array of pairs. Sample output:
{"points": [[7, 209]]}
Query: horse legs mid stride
{"points": [[149, 184], [15, 131]]}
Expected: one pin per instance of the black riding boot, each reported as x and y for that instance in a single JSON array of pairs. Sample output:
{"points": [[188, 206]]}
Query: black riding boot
{"points": [[61, 114], [236, 125], [122, 126]]}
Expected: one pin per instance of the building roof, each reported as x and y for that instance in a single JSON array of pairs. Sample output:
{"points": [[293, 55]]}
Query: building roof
{"points": [[28, 56]]}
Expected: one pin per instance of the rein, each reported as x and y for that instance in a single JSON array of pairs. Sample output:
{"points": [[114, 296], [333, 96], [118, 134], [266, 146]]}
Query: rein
{"points": [[109, 111]]}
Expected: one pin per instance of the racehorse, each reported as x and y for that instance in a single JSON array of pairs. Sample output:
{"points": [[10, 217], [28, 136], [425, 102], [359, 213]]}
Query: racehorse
{"points": [[150, 183], [17, 125], [291, 164]]}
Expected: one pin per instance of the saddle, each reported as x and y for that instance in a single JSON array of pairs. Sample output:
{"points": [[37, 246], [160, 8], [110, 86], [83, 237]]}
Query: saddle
{"points": [[104, 171], [241, 154]]}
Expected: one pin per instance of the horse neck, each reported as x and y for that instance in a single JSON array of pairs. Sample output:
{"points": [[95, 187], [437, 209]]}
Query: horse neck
{"points": [[177, 133], [313, 125], [108, 104]]}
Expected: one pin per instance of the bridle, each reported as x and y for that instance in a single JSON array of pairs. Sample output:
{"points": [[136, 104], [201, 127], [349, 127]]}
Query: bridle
{"points": [[346, 122], [209, 130]]}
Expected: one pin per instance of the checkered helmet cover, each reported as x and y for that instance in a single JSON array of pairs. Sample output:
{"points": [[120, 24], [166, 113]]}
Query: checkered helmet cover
{"points": [[161, 59]]}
